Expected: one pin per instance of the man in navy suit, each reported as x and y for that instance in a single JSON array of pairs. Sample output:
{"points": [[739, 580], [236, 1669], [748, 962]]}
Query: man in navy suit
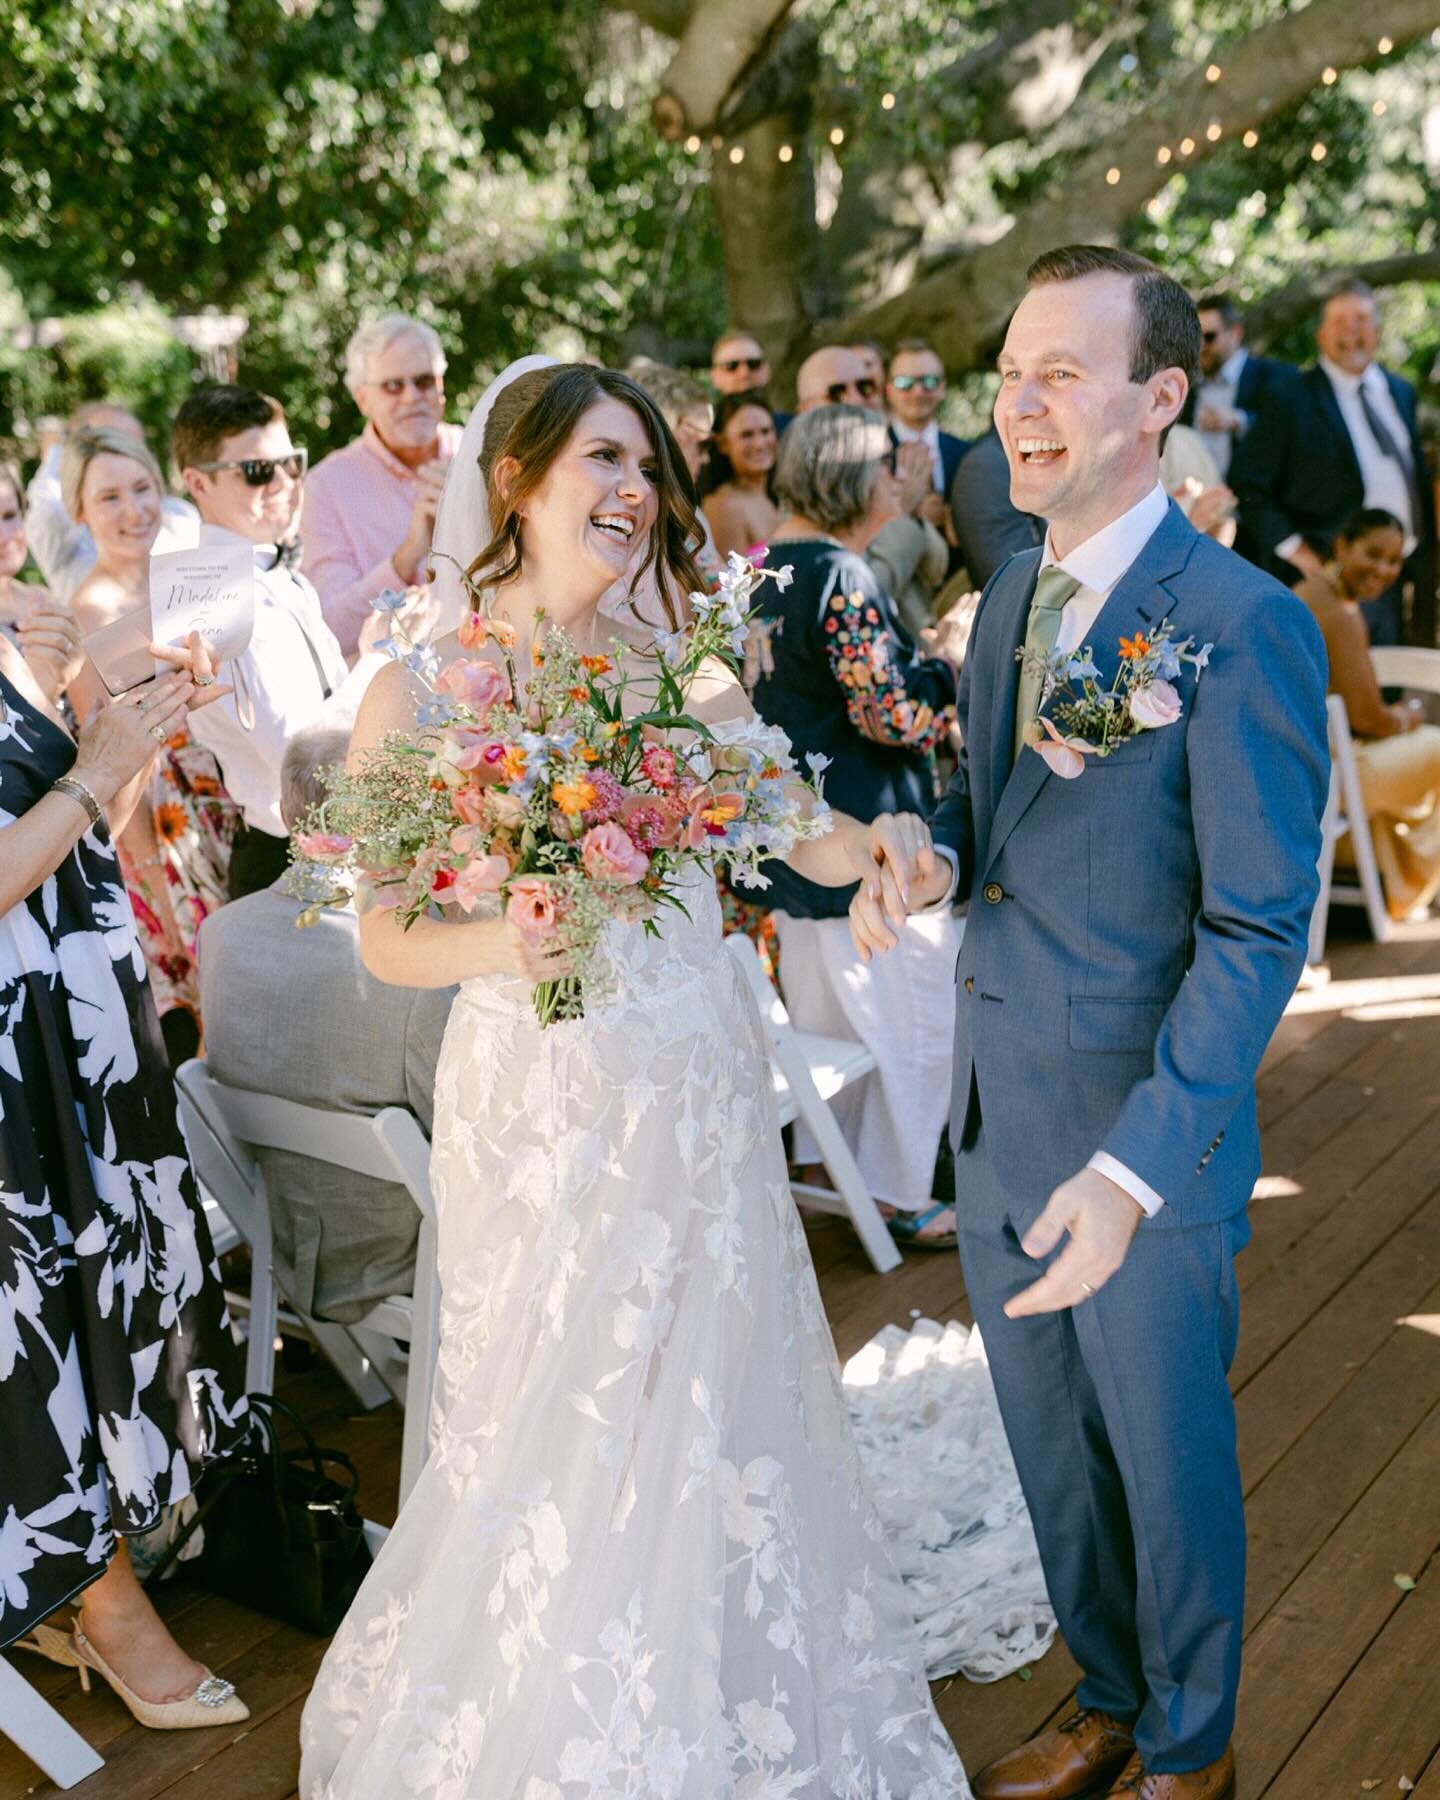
{"points": [[1343, 435], [1234, 385], [1135, 931], [914, 393]]}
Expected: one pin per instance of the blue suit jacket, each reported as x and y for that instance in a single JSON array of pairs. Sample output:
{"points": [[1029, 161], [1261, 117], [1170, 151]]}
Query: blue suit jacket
{"points": [[1134, 934]]}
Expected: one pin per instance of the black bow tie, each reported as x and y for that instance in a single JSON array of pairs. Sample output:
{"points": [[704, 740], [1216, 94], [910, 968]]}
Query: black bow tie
{"points": [[287, 556]]}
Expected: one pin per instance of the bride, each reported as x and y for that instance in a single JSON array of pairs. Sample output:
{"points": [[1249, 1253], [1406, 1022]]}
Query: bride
{"points": [[641, 1559]]}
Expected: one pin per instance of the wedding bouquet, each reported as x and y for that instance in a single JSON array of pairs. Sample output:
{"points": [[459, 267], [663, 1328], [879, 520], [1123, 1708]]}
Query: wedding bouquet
{"points": [[559, 805]]}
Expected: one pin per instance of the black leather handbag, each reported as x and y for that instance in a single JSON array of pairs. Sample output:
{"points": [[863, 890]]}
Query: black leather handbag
{"points": [[282, 1532]]}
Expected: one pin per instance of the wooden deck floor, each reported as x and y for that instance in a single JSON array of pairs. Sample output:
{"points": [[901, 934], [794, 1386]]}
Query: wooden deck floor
{"points": [[1338, 1385]]}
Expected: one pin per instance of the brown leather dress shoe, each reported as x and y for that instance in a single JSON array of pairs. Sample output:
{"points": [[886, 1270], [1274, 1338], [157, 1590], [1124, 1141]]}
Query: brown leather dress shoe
{"points": [[1215, 1783], [1075, 1760]]}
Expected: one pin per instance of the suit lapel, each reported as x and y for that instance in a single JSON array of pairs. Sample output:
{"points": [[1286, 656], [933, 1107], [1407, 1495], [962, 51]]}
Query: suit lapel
{"points": [[1014, 586], [1139, 599], [1334, 418]]}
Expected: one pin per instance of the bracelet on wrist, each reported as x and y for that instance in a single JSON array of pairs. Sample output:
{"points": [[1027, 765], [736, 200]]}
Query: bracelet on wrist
{"points": [[78, 792]]}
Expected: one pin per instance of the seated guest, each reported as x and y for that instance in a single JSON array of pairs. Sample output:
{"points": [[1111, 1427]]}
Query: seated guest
{"points": [[738, 502], [232, 446], [1234, 386], [119, 1379], [989, 528], [295, 1013], [63, 549], [1396, 752], [1340, 436], [41, 627], [175, 849], [914, 393], [840, 674], [370, 507]]}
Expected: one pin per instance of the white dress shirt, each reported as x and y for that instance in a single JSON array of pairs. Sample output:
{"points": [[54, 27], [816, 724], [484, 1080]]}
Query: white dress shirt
{"points": [[1384, 479], [930, 438], [1098, 565], [1220, 390], [292, 676]]}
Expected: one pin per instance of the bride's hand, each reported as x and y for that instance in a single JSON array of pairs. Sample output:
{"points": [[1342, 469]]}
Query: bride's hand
{"points": [[512, 953]]}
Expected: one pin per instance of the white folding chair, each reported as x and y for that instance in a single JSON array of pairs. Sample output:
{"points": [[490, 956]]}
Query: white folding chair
{"points": [[398, 1340], [1395, 667], [32, 1724], [806, 1073]]}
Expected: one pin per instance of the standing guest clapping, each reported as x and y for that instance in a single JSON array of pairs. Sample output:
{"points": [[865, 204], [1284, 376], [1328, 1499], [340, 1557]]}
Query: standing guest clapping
{"points": [[233, 447], [63, 548], [370, 508], [175, 849], [738, 502], [120, 1377]]}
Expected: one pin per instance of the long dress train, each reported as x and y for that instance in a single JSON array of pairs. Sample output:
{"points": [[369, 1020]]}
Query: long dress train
{"points": [[642, 1559]]}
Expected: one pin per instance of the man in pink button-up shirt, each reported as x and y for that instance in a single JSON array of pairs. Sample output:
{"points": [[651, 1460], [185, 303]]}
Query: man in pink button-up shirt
{"points": [[370, 508]]}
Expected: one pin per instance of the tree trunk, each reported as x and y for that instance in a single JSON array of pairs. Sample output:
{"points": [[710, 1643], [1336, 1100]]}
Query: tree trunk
{"points": [[721, 41]]}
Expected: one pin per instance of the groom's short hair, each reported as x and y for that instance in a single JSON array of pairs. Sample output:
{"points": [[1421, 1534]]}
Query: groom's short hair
{"points": [[1165, 331]]}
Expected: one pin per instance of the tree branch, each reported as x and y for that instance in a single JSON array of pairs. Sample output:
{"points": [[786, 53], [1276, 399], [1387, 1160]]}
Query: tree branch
{"points": [[668, 17], [722, 40], [1277, 311], [962, 308]]}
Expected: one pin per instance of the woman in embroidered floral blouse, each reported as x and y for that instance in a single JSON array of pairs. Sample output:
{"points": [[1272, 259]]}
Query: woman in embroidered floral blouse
{"points": [[831, 663]]}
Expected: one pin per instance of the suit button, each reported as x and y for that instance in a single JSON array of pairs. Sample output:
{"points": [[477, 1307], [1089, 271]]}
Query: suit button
{"points": [[969, 984], [994, 893]]}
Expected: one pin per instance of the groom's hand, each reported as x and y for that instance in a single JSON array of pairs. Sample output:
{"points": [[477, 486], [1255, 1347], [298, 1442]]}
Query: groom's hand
{"points": [[899, 874], [1101, 1219]]}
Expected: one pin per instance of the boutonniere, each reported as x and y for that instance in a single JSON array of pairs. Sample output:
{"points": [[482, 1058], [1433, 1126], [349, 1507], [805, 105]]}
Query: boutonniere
{"points": [[1088, 719]]}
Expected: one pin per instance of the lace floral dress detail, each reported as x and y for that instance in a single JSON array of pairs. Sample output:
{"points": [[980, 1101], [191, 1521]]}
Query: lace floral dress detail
{"points": [[642, 1559]]}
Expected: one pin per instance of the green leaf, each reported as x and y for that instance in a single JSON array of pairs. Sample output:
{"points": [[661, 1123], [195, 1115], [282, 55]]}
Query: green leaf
{"points": [[1025, 1674]]}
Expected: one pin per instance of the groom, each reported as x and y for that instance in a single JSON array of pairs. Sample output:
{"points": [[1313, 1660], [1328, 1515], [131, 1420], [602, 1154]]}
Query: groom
{"points": [[1134, 934]]}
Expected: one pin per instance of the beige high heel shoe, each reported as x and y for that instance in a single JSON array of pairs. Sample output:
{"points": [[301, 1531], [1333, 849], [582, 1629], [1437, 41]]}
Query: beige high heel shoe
{"points": [[214, 1701]]}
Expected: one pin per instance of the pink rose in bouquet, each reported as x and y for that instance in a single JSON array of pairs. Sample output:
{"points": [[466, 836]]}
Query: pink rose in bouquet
{"points": [[482, 875], [609, 853], [471, 803], [533, 909], [323, 846], [478, 685], [480, 754]]}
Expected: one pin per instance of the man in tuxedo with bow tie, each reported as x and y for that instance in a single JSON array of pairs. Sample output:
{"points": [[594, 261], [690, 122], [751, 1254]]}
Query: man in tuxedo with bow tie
{"points": [[1341, 435], [1134, 934]]}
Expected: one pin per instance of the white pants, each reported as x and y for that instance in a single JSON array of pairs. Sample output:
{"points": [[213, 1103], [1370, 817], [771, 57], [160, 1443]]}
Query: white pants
{"points": [[901, 1006]]}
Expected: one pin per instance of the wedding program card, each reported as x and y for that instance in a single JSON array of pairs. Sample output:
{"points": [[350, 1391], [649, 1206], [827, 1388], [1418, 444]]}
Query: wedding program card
{"points": [[210, 590]]}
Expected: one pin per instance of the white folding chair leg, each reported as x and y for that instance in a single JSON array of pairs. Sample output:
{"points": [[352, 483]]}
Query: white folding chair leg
{"points": [[424, 1349], [1320, 917], [34, 1726], [264, 1322], [835, 1154], [1382, 927]]}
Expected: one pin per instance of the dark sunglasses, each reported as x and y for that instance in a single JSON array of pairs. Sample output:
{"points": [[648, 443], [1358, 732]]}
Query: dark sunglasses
{"points": [[902, 384], [837, 390], [396, 384], [259, 471], [1208, 337], [733, 364]]}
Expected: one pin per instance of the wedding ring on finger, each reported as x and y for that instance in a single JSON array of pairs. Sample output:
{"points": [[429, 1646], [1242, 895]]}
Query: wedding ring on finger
{"points": [[203, 681], [1088, 1291], [159, 733]]}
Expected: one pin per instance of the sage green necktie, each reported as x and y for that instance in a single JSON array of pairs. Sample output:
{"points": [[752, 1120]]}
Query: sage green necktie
{"points": [[1052, 590]]}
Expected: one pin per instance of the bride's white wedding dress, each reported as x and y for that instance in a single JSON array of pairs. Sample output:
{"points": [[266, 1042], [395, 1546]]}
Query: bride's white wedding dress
{"points": [[642, 1559]]}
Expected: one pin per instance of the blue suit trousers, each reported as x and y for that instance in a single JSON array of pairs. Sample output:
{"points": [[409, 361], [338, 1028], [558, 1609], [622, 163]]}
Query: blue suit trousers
{"points": [[1123, 1429]]}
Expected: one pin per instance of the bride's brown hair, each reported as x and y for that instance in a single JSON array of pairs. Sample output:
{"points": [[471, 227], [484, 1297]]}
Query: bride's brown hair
{"points": [[530, 424]]}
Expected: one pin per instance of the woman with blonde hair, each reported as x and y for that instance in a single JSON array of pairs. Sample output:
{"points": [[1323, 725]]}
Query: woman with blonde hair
{"points": [[175, 851]]}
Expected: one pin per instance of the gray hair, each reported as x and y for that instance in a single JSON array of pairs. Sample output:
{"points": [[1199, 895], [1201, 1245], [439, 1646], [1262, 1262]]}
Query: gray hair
{"points": [[376, 336], [673, 391], [309, 756], [829, 462]]}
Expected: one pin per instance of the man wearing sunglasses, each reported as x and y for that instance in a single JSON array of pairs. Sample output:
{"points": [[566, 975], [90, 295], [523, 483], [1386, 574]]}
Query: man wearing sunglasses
{"points": [[370, 507], [246, 477], [914, 393], [738, 364], [1234, 385]]}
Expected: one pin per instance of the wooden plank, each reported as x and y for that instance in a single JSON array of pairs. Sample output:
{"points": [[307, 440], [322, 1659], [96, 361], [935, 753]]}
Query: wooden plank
{"points": [[262, 1763], [1295, 1387], [986, 1721], [1310, 1491], [1385, 1722], [1304, 1650]]}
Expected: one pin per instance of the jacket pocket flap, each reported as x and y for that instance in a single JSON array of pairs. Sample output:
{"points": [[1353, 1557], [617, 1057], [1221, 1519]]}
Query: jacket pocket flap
{"points": [[1137, 749], [1116, 1025]]}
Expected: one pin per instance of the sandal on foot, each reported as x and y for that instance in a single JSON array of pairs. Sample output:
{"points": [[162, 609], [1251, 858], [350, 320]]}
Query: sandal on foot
{"points": [[905, 1228]]}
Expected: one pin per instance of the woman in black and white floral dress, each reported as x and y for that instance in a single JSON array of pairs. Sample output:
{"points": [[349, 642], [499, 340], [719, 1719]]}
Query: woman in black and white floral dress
{"points": [[118, 1371]]}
